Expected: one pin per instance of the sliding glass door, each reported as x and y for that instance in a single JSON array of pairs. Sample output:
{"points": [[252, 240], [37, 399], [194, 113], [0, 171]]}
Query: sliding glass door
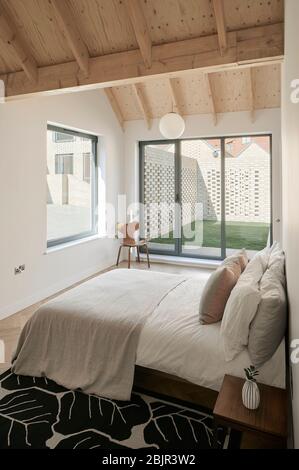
{"points": [[201, 198], [247, 193], [159, 195], [205, 198]]}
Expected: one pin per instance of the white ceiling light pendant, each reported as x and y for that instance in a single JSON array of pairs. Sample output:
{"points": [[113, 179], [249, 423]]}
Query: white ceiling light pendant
{"points": [[172, 126]]}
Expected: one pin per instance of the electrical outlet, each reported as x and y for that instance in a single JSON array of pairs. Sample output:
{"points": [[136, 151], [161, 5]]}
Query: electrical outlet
{"points": [[20, 269]]}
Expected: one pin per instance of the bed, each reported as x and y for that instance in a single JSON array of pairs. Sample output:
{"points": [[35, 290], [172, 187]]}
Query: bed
{"points": [[173, 341], [173, 354]]}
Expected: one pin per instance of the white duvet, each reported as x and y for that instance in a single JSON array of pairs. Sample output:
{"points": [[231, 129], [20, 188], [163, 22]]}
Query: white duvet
{"points": [[173, 341]]}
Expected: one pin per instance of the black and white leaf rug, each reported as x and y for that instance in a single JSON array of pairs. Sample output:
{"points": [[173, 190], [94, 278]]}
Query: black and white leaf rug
{"points": [[36, 413]]}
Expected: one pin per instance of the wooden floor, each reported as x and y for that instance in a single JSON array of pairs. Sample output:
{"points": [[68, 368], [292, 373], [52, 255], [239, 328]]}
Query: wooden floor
{"points": [[11, 327]]}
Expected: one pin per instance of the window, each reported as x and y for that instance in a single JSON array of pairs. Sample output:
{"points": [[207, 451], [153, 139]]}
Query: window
{"points": [[71, 185], [224, 202], [64, 164], [62, 137], [86, 167]]}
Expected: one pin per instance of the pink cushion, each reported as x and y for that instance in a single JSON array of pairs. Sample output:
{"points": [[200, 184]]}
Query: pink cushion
{"points": [[240, 257], [216, 293]]}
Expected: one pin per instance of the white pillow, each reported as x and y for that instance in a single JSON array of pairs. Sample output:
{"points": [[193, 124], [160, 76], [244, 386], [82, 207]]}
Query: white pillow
{"points": [[256, 268], [277, 257], [239, 312]]}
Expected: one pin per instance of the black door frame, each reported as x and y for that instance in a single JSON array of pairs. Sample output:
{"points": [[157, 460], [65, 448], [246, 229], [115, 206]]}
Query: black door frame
{"points": [[178, 189]]}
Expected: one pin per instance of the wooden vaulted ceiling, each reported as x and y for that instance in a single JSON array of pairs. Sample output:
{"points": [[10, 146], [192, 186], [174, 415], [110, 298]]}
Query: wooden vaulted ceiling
{"points": [[194, 56], [231, 91]]}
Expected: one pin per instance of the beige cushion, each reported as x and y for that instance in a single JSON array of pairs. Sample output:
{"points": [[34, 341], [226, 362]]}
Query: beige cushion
{"points": [[240, 257], [242, 305], [216, 293], [269, 325], [239, 312], [243, 259]]}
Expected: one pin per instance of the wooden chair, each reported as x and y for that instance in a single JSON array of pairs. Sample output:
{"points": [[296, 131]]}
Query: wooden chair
{"points": [[129, 231]]}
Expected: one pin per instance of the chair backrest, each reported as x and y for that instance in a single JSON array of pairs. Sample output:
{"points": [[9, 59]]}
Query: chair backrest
{"points": [[128, 231]]}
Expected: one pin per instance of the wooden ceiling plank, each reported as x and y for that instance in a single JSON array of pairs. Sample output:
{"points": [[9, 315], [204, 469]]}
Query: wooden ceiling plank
{"points": [[115, 106], [10, 36], [71, 32], [141, 30], [142, 104], [230, 91], [174, 96], [211, 97], [221, 25], [251, 94], [257, 45]]}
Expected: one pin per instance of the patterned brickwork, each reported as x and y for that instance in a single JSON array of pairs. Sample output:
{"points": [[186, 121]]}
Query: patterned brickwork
{"points": [[247, 183]]}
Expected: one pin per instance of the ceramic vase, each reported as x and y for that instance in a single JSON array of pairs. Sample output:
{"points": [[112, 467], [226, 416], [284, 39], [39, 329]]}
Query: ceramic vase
{"points": [[250, 395]]}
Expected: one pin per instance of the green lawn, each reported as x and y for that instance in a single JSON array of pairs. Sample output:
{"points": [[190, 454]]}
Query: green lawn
{"points": [[250, 235]]}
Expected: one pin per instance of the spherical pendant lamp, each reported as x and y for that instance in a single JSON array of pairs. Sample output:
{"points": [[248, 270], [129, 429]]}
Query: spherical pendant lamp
{"points": [[172, 126]]}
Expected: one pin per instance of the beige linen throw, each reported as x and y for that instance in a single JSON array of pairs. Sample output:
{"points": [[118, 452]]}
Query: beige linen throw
{"points": [[87, 338]]}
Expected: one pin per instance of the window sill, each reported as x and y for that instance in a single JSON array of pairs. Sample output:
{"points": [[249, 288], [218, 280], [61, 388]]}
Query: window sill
{"points": [[73, 243]]}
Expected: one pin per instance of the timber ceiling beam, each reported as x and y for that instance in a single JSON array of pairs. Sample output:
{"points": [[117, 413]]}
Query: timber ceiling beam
{"points": [[251, 94], [141, 31], [221, 25], [142, 103], [68, 26], [115, 106], [211, 97], [254, 46], [10, 35], [174, 96]]}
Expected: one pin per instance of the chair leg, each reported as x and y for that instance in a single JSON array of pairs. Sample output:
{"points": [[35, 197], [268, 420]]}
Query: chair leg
{"points": [[147, 255], [118, 256], [138, 254], [129, 258]]}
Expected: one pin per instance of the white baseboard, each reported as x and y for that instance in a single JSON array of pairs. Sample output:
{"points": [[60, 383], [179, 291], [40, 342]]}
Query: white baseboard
{"points": [[181, 261], [52, 290]]}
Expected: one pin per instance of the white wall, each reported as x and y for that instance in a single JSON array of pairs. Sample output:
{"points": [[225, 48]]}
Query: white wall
{"points": [[290, 126], [267, 121], [23, 151], [23, 216]]}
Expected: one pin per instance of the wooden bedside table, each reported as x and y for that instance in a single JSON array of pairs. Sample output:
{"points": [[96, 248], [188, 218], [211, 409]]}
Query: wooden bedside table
{"points": [[266, 426]]}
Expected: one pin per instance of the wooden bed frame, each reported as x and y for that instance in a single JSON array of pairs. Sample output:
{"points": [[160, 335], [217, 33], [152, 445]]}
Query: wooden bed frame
{"points": [[150, 380], [155, 381]]}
